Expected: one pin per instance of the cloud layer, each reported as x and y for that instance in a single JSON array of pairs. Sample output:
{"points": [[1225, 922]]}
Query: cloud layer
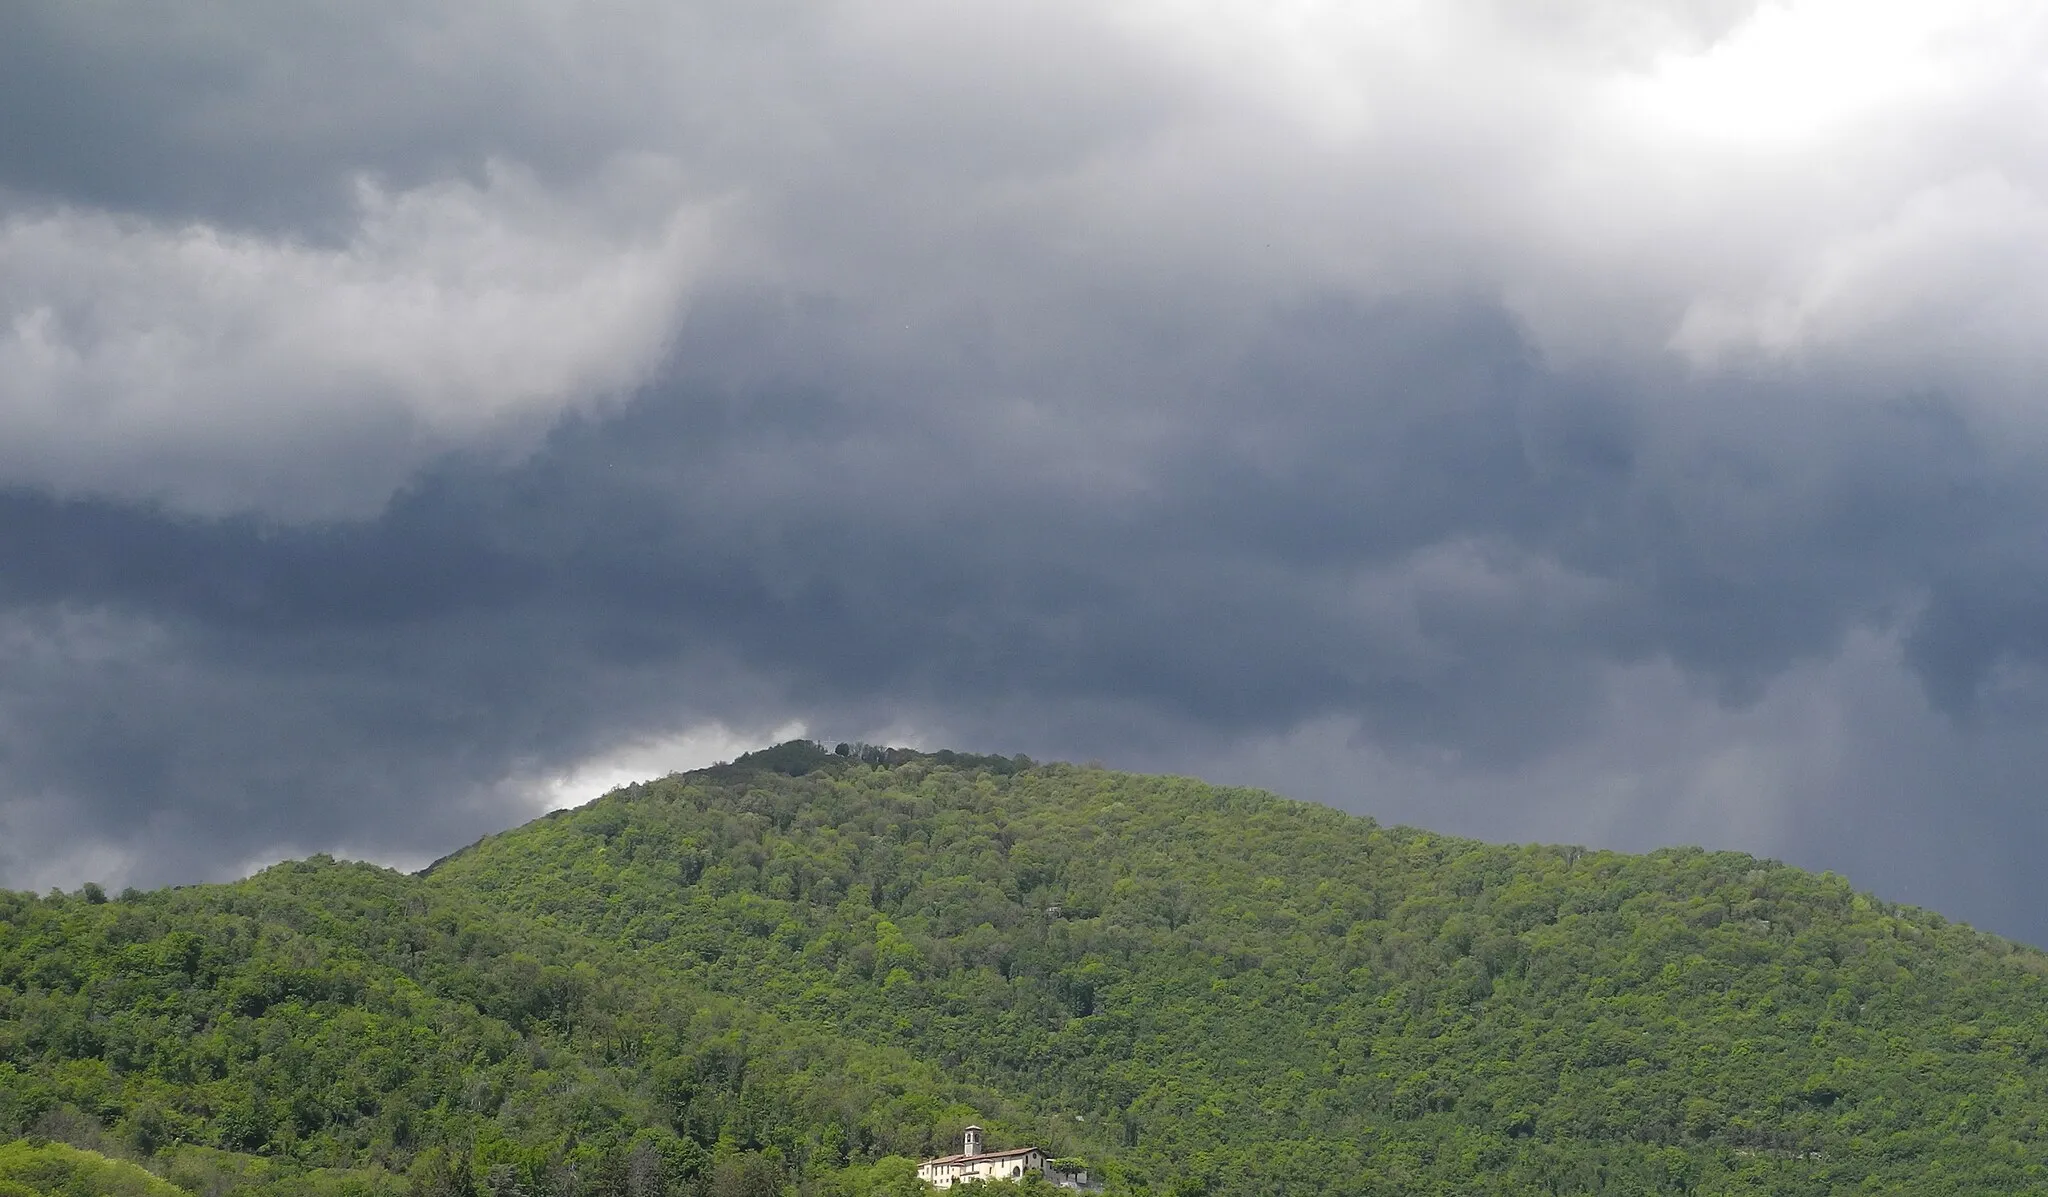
{"points": [[1620, 424]]}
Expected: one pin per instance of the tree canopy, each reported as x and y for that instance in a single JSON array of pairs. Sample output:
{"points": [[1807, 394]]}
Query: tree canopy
{"points": [[803, 971]]}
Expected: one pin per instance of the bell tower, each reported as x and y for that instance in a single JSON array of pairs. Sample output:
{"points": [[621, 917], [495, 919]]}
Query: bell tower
{"points": [[973, 1144]]}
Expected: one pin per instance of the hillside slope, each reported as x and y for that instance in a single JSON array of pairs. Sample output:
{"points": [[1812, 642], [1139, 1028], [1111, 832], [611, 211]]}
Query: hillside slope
{"points": [[800, 969]]}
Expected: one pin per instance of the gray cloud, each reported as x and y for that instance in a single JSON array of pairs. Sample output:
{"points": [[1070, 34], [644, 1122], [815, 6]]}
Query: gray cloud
{"points": [[404, 409]]}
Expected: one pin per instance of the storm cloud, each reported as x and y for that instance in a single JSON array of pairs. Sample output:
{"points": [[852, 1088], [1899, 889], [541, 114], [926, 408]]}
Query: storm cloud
{"points": [[1619, 426]]}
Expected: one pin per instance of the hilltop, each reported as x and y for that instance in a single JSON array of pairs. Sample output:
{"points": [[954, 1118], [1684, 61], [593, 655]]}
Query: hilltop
{"points": [[804, 970]]}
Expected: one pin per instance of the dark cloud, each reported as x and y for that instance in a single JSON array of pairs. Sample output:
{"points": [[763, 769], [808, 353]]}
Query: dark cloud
{"points": [[402, 412], [267, 116], [1398, 517]]}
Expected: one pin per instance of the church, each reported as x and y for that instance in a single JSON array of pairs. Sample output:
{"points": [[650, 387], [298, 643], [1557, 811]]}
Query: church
{"points": [[975, 1163]]}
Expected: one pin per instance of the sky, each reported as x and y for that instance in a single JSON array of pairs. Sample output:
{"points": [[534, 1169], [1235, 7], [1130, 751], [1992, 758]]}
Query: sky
{"points": [[1617, 422]]}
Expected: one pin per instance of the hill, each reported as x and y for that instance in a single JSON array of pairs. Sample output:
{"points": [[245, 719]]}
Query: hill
{"points": [[802, 971]]}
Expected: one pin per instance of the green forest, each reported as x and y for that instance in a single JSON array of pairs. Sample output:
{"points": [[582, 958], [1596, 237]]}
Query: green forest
{"points": [[802, 972]]}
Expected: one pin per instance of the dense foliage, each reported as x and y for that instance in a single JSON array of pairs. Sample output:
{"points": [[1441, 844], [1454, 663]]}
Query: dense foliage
{"points": [[802, 971], [60, 1170]]}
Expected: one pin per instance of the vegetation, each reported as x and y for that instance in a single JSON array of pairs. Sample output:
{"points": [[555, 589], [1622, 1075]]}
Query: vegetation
{"points": [[47, 1169], [805, 970]]}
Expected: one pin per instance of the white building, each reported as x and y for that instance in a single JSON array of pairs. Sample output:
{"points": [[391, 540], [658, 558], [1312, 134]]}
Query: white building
{"points": [[974, 1163]]}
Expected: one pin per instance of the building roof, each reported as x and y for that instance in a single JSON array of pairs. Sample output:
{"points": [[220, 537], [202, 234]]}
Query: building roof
{"points": [[986, 1155]]}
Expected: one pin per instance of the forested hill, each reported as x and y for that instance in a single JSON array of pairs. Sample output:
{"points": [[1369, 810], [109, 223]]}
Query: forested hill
{"points": [[799, 972]]}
